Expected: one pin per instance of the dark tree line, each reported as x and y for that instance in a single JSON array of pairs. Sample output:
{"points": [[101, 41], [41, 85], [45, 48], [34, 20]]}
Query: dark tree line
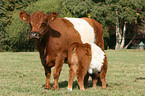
{"points": [[118, 17]]}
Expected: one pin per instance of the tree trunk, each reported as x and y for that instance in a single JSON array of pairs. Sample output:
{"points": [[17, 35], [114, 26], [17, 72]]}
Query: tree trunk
{"points": [[118, 34], [123, 37], [130, 42]]}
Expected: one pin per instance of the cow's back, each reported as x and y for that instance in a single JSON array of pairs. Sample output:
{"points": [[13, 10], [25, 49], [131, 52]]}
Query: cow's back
{"points": [[85, 30], [89, 30]]}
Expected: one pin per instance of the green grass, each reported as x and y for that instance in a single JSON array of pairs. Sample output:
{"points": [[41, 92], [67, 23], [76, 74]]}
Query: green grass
{"points": [[21, 74]]}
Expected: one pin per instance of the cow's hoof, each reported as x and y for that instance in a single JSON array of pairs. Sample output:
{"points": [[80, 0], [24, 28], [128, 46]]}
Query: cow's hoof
{"points": [[82, 89], [104, 87], [55, 87], [94, 85], [47, 87]]}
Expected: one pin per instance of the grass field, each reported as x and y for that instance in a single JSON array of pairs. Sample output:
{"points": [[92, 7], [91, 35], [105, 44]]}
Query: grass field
{"points": [[21, 74]]}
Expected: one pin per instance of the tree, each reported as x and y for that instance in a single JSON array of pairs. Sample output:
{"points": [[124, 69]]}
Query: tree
{"points": [[87, 8], [7, 7], [124, 12], [116, 13], [18, 31]]}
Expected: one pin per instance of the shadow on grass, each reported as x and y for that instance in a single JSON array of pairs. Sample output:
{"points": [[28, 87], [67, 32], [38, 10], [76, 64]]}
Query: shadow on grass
{"points": [[64, 84]]}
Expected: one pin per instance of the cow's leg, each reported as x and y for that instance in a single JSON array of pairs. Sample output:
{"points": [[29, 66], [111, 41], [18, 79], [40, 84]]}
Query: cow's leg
{"points": [[94, 79], [103, 73], [80, 80], [86, 79], [57, 69], [71, 78], [47, 74], [56, 74], [102, 77]]}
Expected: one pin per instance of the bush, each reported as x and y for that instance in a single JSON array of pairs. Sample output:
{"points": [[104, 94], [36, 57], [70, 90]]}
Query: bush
{"points": [[18, 31], [7, 8]]}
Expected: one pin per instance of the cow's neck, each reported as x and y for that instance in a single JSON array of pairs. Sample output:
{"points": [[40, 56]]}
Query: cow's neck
{"points": [[41, 47], [42, 42]]}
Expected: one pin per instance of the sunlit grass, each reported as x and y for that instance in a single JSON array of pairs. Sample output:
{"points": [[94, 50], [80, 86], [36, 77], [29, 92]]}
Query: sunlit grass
{"points": [[22, 75]]}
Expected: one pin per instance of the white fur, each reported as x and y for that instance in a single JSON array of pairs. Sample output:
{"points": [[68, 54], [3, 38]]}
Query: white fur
{"points": [[97, 59], [85, 30], [69, 89]]}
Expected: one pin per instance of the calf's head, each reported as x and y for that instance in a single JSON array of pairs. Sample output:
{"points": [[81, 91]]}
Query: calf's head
{"points": [[39, 22]]}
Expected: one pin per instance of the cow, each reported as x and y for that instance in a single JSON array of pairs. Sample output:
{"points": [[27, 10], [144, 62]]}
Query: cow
{"points": [[84, 60], [55, 35]]}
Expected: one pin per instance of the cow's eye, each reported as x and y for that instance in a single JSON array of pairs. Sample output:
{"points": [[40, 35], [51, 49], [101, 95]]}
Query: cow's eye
{"points": [[43, 24]]}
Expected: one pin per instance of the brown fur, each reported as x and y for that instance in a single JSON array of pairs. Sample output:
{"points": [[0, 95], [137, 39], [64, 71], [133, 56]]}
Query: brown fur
{"points": [[53, 38], [79, 58], [98, 32]]}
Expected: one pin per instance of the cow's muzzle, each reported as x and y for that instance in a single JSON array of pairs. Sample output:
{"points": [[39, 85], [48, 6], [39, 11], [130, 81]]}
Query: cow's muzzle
{"points": [[34, 35]]}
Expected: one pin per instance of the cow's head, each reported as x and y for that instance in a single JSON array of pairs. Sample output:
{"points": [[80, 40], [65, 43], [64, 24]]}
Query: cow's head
{"points": [[39, 22]]}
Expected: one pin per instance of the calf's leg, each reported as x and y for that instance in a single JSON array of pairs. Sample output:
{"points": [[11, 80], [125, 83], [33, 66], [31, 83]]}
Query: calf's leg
{"points": [[71, 78], [80, 80]]}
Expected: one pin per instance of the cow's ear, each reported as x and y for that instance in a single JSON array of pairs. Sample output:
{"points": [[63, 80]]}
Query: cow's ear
{"points": [[88, 49], [24, 16], [53, 15]]}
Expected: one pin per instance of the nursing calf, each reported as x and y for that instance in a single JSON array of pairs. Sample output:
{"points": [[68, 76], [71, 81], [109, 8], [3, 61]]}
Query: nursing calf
{"points": [[84, 60]]}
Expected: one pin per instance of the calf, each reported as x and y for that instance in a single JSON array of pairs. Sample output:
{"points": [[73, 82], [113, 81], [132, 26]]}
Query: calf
{"points": [[84, 60]]}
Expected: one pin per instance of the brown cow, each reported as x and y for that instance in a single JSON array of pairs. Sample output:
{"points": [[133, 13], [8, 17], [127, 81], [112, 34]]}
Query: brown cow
{"points": [[86, 57], [54, 36]]}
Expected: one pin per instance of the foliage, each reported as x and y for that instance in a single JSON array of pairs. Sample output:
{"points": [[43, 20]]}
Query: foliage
{"points": [[106, 11], [6, 11], [14, 32], [18, 30], [79, 8], [22, 74], [8, 6]]}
